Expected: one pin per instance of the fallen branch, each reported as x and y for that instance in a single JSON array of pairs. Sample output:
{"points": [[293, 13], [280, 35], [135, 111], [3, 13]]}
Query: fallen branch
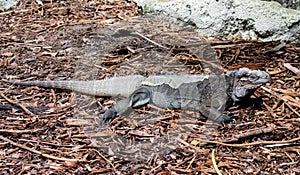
{"points": [[251, 133]]}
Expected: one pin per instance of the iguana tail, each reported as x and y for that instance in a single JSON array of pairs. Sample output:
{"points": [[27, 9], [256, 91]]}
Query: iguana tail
{"points": [[123, 86]]}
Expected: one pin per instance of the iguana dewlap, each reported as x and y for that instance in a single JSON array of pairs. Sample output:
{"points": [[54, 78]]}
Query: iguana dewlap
{"points": [[208, 94]]}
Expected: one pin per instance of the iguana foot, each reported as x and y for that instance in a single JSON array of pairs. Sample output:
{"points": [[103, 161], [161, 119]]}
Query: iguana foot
{"points": [[226, 118], [107, 117]]}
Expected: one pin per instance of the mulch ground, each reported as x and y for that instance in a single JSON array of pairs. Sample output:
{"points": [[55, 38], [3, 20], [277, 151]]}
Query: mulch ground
{"points": [[45, 40]]}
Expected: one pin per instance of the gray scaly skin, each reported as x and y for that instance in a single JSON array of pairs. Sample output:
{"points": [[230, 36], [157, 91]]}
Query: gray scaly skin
{"points": [[208, 94]]}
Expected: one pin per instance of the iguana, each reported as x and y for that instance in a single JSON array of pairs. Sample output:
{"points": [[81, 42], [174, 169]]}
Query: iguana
{"points": [[209, 94]]}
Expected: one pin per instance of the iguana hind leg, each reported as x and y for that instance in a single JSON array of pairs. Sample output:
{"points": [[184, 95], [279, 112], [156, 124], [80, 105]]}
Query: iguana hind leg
{"points": [[139, 98]]}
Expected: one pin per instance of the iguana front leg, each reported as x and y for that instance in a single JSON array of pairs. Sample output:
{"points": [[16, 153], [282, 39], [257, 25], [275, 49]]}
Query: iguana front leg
{"points": [[139, 98]]}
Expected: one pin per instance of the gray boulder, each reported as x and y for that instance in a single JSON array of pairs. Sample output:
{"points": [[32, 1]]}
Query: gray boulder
{"points": [[255, 19], [7, 3]]}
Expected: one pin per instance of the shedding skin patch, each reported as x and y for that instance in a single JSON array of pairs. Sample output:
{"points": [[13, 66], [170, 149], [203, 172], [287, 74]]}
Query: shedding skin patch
{"points": [[173, 81]]}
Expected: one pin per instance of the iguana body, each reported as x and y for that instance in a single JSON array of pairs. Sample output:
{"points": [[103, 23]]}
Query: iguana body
{"points": [[208, 94]]}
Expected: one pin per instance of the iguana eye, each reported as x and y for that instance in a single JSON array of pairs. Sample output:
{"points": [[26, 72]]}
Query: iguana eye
{"points": [[252, 77]]}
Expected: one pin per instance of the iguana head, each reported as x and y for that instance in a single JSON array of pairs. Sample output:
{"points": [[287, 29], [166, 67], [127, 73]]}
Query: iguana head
{"points": [[244, 82]]}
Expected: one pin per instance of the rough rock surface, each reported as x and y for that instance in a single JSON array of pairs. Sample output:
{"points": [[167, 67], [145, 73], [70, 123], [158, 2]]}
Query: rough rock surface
{"points": [[293, 4], [7, 3], [254, 19]]}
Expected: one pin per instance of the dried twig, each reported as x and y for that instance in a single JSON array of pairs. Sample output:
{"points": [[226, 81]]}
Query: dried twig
{"points": [[213, 158], [250, 144], [19, 131], [153, 42], [275, 49], [285, 100], [191, 162], [292, 68], [189, 145], [251, 133], [114, 168], [17, 104]]}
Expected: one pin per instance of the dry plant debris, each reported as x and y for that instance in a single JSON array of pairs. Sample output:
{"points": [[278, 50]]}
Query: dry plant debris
{"points": [[38, 40]]}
